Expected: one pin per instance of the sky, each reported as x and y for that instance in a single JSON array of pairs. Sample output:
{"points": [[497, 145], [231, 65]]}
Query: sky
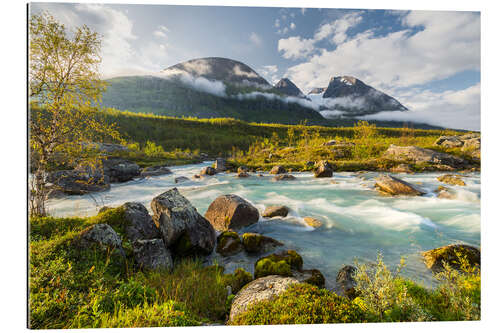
{"points": [[428, 60]]}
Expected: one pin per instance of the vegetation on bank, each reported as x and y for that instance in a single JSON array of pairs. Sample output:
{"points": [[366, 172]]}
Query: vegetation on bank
{"points": [[75, 287]]}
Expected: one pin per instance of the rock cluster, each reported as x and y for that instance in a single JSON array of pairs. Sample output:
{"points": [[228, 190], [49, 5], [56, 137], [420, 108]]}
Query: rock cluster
{"points": [[419, 155]]}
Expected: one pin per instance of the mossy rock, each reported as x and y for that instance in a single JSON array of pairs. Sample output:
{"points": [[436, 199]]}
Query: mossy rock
{"points": [[237, 280], [313, 222], [229, 243], [280, 263], [451, 179], [183, 247], [434, 259], [257, 243], [316, 278]]}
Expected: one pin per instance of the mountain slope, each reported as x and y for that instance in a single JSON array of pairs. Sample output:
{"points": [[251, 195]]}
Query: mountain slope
{"points": [[218, 69], [174, 97], [347, 93], [287, 87]]}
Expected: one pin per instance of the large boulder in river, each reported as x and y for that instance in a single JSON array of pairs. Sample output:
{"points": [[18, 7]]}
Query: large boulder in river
{"points": [[273, 211], [138, 223], [152, 254], [181, 179], [451, 254], [182, 228], [394, 186], [231, 212], [120, 170], [323, 169], [277, 169], [284, 176], [259, 290], [420, 155]]}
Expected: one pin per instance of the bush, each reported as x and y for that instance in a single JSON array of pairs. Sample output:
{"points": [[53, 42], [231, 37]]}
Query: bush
{"points": [[302, 304], [278, 264]]}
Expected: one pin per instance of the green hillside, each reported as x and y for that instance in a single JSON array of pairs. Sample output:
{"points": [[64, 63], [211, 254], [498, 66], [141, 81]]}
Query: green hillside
{"points": [[172, 97]]}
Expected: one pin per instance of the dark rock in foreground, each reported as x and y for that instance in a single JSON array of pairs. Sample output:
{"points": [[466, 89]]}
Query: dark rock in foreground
{"points": [[231, 212], [183, 229], [138, 223], [152, 254], [345, 280]]}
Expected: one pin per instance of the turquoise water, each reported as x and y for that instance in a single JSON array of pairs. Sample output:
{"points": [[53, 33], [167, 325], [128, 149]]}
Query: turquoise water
{"points": [[358, 222]]}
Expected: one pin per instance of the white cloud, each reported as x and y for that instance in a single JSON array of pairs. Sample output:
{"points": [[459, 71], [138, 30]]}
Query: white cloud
{"points": [[447, 43], [255, 38], [295, 47], [270, 73], [161, 32], [451, 109], [339, 27]]}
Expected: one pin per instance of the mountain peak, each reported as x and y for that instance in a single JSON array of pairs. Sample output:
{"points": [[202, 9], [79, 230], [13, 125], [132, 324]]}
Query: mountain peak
{"points": [[287, 87], [358, 97], [217, 69]]}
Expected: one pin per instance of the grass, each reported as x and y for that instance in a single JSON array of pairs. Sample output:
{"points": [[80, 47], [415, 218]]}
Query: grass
{"points": [[71, 287], [75, 287], [358, 148]]}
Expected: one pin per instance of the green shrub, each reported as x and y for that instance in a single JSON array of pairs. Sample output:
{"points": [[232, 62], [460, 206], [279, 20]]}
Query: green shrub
{"points": [[302, 304]]}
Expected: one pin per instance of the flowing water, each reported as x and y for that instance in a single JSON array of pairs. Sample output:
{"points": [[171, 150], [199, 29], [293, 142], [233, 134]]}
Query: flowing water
{"points": [[358, 223]]}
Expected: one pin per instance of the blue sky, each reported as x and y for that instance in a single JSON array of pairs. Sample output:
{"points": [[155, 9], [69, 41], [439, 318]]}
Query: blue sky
{"points": [[428, 60]]}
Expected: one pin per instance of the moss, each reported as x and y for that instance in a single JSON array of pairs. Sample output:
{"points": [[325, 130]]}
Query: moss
{"points": [[268, 266], [115, 217], [302, 304], [228, 243], [251, 242], [316, 279], [237, 280]]}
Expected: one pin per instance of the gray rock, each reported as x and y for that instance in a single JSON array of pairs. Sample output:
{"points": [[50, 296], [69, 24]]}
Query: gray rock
{"points": [[101, 235], [183, 229], [283, 177], [138, 222], [152, 254], [420, 155], [257, 243], [208, 171], [323, 169], [158, 170], [277, 169], [273, 211], [395, 186], [262, 289], [345, 280], [120, 170], [330, 143], [231, 212], [180, 179]]}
